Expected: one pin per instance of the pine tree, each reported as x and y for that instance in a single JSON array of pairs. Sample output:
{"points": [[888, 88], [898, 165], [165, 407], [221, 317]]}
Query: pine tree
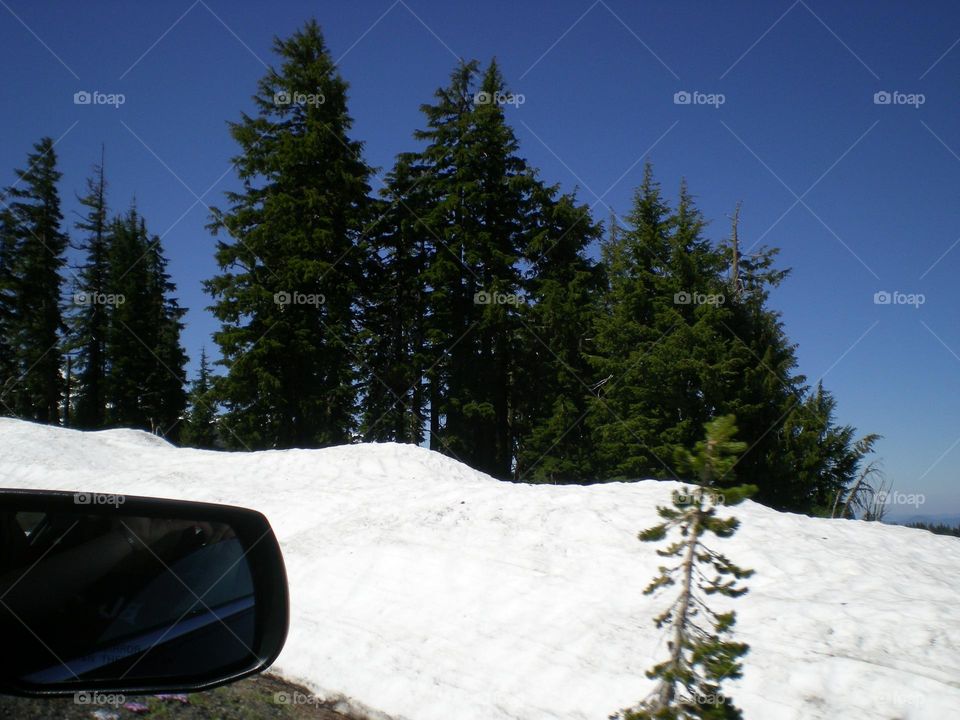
{"points": [[562, 288], [686, 333], [627, 412], [449, 309], [689, 681], [820, 459], [130, 332], [477, 217], [287, 297], [89, 325], [166, 398], [200, 429], [395, 358], [34, 249], [8, 365], [145, 361], [760, 382]]}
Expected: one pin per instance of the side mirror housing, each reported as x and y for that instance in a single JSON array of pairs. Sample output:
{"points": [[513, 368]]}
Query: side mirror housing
{"points": [[121, 594]]}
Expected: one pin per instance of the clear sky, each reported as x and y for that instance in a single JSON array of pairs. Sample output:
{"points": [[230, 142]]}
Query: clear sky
{"points": [[860, 194]]}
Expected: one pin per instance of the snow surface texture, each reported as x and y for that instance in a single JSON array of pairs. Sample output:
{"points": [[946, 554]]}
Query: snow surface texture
{"points": [[422, 589]]}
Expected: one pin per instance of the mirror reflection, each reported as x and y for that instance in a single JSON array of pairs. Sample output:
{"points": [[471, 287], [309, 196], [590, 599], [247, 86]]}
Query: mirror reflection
{"points": [[103, 597]]}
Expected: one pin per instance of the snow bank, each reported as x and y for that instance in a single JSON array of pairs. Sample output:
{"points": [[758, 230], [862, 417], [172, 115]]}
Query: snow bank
{"points": [[428, 591]]}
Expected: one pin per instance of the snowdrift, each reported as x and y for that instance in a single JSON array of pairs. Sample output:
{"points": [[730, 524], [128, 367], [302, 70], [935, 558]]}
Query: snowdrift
{"points": [[424, 590]]}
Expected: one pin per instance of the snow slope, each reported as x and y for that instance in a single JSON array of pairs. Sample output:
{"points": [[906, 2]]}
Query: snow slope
{"points": [[428, 591]]}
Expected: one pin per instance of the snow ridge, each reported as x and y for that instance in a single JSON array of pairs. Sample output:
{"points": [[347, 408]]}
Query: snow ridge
{"points": [[427, 591]]}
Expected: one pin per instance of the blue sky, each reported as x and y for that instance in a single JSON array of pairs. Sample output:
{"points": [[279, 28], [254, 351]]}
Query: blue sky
{"points": [[861, 196]]}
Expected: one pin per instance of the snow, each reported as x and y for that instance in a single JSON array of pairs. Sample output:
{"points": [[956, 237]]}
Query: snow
{"points": [[422, 589]]}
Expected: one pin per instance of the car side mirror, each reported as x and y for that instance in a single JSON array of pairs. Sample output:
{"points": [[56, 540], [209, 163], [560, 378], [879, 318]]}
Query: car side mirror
{"points": [[123, 594]]}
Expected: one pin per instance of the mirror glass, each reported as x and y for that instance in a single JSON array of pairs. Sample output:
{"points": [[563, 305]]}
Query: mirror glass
{"points": [[110, 597]]}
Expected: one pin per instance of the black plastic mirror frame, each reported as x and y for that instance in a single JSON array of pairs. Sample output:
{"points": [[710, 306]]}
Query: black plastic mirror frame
{"points": [[266, 566]]}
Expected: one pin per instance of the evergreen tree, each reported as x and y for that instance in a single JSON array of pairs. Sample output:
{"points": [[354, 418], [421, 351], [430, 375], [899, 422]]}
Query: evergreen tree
{"points": [[476, 209], [449, 308], [287, 297], [145, 361], [8, 365], [689, 681], [166, 398], [394, 394], [820, 459], [200, 429], [499, 218], [679, 340], [562, 288], [33, 249], [89, 324], [626, 415], [936, 528], [129, 332]]}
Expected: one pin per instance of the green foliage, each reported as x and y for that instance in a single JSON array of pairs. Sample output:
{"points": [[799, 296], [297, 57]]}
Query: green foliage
{"points": [[8, 301], [395, 356], [200, 428], [713, 457], [488, 266], [462, 305], [689, 681], [288, 292], [145, 377], [474, 207], [32, 247], [936, 528], [563, 289], [679, 340], [89, 324]]}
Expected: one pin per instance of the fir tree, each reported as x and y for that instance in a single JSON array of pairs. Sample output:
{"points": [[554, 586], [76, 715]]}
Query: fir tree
{"points": [[449, 309], [689, 681], [165, 400], [89, 324], [8, 365], [394, 396], [627, 413], [200, 429], [820, 458], [129, 333], [479, 215], [287, 297], [562, 287], [34, 247], [145, 361], [685, 332]]}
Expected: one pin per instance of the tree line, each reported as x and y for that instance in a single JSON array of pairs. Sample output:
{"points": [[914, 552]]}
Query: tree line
{"points": [[460, 306], [91, 346]]}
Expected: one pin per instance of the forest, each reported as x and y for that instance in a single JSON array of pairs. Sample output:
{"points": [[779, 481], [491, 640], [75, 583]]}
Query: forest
{"points": [[470, 306]]}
